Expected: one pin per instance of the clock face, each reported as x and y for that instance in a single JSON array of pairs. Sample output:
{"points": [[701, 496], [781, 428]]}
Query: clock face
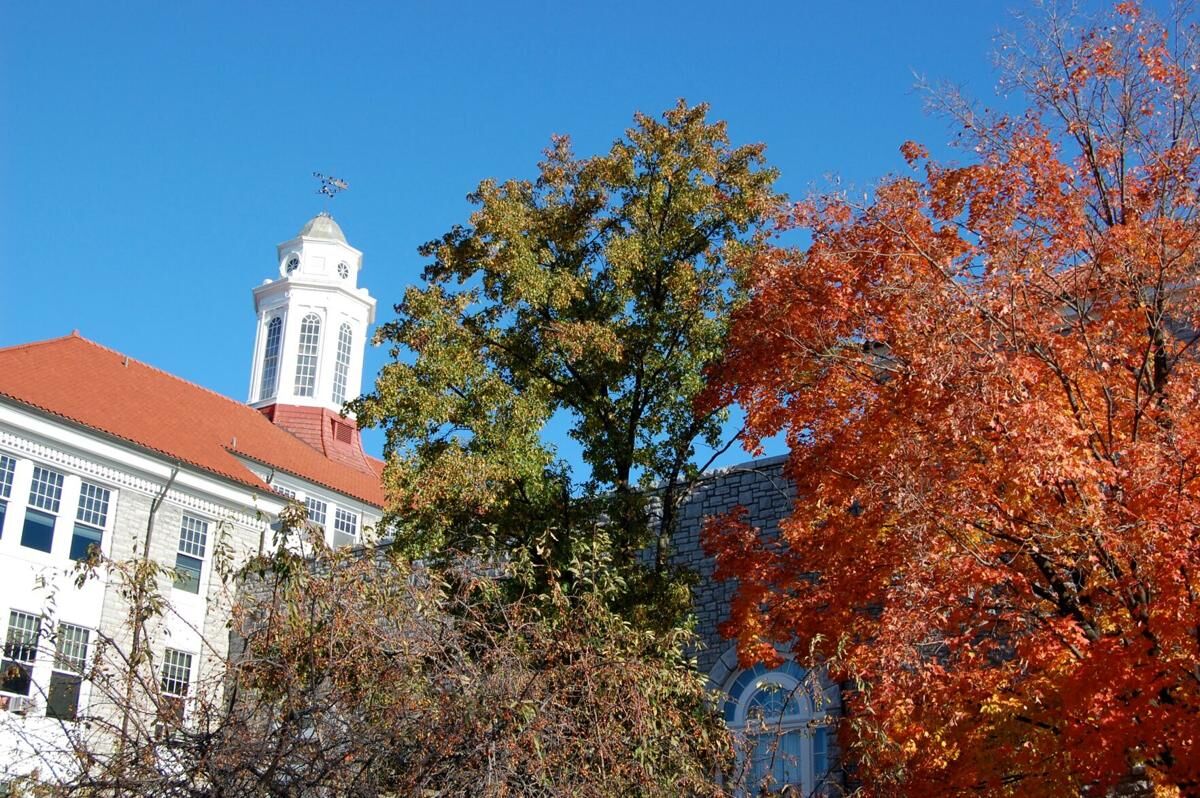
{"points": [[343, 271], [293, 264]]}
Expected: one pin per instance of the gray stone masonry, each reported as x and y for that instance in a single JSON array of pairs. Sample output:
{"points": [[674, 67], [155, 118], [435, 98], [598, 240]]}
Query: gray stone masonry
{"points": [[234, 540], [761, 488]]}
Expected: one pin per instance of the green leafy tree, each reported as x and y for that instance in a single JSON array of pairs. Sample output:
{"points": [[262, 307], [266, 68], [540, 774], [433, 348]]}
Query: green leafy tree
{"points": [[597, 293]]}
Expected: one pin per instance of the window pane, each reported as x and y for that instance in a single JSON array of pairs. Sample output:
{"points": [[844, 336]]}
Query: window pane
{"points": [[20, 651], [70, 648], [193, 536], [14, 677], [270, 371], [316, 511], [176, 678], [7, 466], [345, 528], [46, 490], [39, 531], [3, 512], [187, 573], [63, 700], [777, 760], [83, 539], [820, 752], [20, 643], [93, 505], [176, 672], [341, 371], [306, 360]]}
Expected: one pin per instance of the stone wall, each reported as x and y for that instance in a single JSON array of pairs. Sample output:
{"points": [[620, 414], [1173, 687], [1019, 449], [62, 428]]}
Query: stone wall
{"points": [[759, 486]]}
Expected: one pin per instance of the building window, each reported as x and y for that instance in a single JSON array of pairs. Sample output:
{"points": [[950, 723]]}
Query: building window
{"points": [[7, 467], [345, 528], [193, 539], [316, 510], [341, 372], [286, 492], [176, 679], [20, 651], [306, 360], [45, 494], [786, 733], [270, 369], [70, 659], [90, 520]]}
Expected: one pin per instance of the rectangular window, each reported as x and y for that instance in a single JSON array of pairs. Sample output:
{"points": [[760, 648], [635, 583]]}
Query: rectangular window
{"points": [[316, 510], [820, 753], [38, 532], [176, 679], [306, 357], [176, 673], [7, 466], [287, 492], [90, 520], [93, 505], [193, 539], [345, 528], [20, 652], [70, 659], [45, 494], [46, 491]]}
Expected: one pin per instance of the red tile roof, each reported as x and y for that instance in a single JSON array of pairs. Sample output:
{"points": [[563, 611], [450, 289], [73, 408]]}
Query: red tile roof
{"points": [[96, 387], [328, 432]]}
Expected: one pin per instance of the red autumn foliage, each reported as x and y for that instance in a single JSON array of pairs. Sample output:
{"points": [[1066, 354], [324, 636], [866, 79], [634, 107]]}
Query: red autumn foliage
{"points": [[988, 379]]}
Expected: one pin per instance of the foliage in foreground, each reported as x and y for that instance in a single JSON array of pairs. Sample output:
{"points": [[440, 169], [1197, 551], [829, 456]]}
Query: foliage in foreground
{"points": [[989, 377], [354, 675]]}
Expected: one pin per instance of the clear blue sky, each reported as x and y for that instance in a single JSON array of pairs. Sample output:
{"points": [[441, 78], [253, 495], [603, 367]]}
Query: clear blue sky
{"points": [[153, 153]]}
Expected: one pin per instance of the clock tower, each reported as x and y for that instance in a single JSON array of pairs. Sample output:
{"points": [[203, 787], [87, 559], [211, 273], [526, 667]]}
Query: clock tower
{"points": [[312, 328]]}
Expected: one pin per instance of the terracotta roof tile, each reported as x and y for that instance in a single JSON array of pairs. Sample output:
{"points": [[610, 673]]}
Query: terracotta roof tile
{"points": [[89, 384]]}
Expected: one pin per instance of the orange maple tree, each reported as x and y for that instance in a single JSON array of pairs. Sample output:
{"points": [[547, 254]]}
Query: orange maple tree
{"points": [[987, 375]]}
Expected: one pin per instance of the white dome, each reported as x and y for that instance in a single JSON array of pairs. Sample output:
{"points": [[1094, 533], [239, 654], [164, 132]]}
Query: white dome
{"points": [[323, 226]]}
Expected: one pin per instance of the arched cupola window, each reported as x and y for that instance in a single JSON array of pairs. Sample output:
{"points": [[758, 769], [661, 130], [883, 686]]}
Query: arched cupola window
{"points": [[786, 731], [306, 360], [270, 363], [341, 372]]}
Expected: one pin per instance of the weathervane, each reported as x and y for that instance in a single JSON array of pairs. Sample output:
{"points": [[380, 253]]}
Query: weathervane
{"points": [[330, 186]]}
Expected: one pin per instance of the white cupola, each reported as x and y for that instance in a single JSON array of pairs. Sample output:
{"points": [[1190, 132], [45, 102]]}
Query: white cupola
{"points": [[312, 322]]}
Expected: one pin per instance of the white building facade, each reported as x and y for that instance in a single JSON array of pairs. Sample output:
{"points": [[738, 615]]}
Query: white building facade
{"points": [[97, 449]]}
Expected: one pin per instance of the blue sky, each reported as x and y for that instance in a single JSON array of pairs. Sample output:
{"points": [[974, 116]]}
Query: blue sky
{"points": [[152, 154]]}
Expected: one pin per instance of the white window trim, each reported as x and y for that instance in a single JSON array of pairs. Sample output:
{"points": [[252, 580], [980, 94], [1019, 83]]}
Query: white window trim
{"points": [[316, 355], [808, 721], [34, 687], [109, 514], [271, 391], [209, 526]]}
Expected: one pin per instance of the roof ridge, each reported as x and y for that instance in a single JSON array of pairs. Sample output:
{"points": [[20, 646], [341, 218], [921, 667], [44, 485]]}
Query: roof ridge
{"points": [[56, 339]]}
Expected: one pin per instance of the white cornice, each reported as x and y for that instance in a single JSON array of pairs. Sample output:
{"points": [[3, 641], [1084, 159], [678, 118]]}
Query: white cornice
{"points": [[74, 450]]}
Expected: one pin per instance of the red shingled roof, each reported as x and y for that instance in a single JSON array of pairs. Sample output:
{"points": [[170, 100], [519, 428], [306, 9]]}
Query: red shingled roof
{"points": [[99, 388]]}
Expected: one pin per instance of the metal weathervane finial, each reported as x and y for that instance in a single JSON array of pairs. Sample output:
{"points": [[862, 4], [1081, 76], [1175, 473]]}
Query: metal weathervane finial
{"points": [[330, 186]]}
